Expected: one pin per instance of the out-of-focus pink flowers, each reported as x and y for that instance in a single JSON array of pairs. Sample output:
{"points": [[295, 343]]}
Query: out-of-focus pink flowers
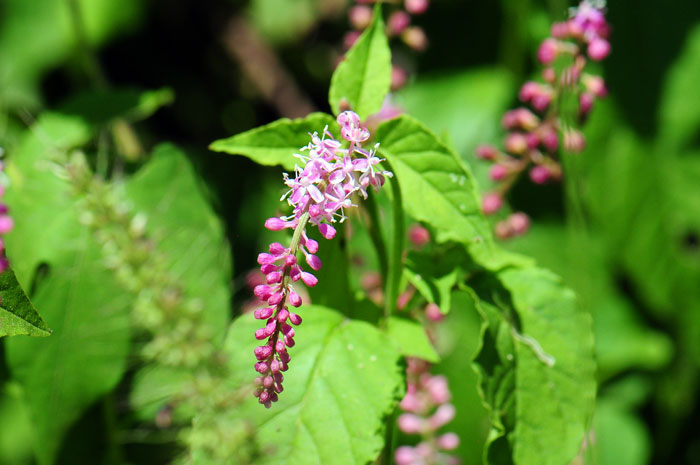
{"points": [[319, 193], [427, 409], [538, 130], [6, 224]]}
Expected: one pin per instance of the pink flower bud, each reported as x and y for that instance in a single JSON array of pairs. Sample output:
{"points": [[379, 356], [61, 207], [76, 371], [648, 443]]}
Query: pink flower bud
{"points": [[549, 75], [415, 37], [290, 260], [309, 279], [433, 313], [360, 16], [418, 235], [283, 315], [6, 224], [263, 313], [416, 7], [398, 77], [405, 455], [262, 291], [449, 441], [574, 141], [275, 298], [266, 259], [560, 30], [550, 140], [350, 39], [294, 299], [438, 389], [314, 262], [261, 367], [397, 22], [539, 174], [274, 277], [528, 90], [327, 230], [311, 245], [598, 49], [503, 230], [585, 102], [491, 203], [443, 415], [263, 352], [548, 51], [277, 249], [410, 423], [498, 172], [516, 143], [595, 85], [289, 341], [274, 224], [260, 334], [519, 223], [486, 152]]}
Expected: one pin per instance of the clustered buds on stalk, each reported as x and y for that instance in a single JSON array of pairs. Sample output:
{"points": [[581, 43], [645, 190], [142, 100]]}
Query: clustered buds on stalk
{"points": [[536, 134], [398, 26], [319, 193], [6, 223], [427, 408]]}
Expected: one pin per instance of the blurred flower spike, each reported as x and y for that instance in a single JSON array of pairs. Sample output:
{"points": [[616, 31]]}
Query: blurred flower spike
{"points": [[547, 123], [6, 222], [320, 192]]}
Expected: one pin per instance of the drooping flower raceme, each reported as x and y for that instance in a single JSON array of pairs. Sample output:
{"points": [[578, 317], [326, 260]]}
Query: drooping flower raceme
{"points": [[536, 134], [320, 192], [6, 223]]}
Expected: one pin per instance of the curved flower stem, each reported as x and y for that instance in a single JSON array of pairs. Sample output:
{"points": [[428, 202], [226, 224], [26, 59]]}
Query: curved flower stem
{"points": [[375, 234], [396, 257]]}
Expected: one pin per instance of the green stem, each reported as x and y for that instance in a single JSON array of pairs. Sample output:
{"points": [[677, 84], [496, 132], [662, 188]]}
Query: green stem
{"points": [[396, 258], [375, 234]]}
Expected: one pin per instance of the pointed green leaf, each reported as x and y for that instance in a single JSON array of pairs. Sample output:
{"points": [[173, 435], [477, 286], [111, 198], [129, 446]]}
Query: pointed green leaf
{"points": [[440, 190], [277, 142], [679, 114], [343, 379], [17, 314], [86, 355], [555, 369], [363, 78], [198, 256], [410, 339]]}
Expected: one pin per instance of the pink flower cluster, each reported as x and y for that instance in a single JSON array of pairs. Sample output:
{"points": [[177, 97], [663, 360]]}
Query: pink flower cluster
{"points": [[398, 26], [6, 225], [319, 193], [536, 134], [427, 408]]}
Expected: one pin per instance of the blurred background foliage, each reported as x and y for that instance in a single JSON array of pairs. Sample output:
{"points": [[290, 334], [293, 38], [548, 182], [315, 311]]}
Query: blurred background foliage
{"points": [[629, 246]]}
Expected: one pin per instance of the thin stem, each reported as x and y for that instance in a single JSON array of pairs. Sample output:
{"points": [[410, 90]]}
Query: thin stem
{"points": [[375, 234], [396, 258]]}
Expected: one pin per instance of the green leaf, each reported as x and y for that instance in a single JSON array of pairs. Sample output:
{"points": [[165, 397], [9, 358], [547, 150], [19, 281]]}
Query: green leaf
{"points": [[363, 78], [166, 191], [494, 363], [435, 275], [154, 387], [86, 355], [679, 115], [554, 368], [17, 314], [467, 105], [15, 427], [277, 142], [344, 378], [440, 190], [410, 339]]}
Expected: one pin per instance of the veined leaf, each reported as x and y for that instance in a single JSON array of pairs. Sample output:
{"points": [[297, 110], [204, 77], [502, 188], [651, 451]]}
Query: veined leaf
{"points": [[440, 190], [363, 78], [344, 378], [17, 314], [410, 339], [86, 355], [554, 368], [165, 191], [277, 142]]}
